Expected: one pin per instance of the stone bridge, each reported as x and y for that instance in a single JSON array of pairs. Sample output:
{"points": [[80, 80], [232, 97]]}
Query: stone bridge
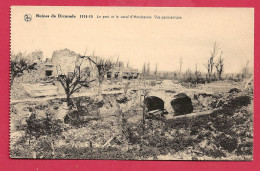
{"points": [[166, 96]]}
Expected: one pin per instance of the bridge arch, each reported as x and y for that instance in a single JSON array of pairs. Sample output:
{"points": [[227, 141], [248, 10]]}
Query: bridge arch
{"points": [[166, 97]]}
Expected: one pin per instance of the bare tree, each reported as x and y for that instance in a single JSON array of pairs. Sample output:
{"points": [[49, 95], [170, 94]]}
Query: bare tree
{"points": [[144, 69], [210, 64], [121, 64], [145, 94], [238, 77], [197, 73], [180, 67], [214, 76], [48, 127], [156, 71], [73, 81], [245, 71], [117, 61], [103, 66], [188, 75], [220, 66], [175, 75], [19, 64], [148, 68]]}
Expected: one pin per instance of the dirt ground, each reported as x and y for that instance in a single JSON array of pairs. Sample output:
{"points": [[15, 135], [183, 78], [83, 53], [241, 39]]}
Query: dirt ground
{"points": [[111, 126]]}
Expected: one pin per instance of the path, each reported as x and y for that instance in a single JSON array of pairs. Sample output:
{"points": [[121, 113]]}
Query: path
{"points": [[38, 99]]}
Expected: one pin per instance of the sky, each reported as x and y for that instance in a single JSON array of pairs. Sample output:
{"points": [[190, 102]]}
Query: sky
{"points": [[161, 41]]}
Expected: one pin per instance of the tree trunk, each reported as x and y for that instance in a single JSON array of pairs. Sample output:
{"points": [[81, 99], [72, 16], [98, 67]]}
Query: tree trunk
{"points": [[34, 153], [100, 88], [52, 148], [144, 114], [12, 80], [69, 103]]}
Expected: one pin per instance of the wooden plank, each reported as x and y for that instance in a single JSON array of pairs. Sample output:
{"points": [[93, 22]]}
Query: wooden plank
{"points": [[108, 142], [194, 114]]}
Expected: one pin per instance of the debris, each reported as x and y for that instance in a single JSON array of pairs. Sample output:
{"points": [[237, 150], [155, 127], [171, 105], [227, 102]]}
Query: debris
{"points": [[218, 103], [121, 99], [234, 90], [170, 91], [207, 132], [247, 82], [238, 102], [227, 142], [99, 101], [40, 89], [108, 141], [154, 113], [191, 115]]}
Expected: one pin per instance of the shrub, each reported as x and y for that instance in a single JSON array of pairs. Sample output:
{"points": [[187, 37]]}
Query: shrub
{"points": [[41, 127]]}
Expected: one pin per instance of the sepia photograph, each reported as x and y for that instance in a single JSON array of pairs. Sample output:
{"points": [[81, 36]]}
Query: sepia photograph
{"points": [[131, 83]]}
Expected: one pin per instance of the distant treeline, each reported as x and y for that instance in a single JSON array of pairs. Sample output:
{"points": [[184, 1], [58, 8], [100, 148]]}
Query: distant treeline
{"points": [[201, 78]]}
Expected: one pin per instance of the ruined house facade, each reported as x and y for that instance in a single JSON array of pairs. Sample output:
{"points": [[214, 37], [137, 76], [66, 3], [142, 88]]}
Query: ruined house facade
{"points": [[120, 73], [41, 82], [64, 61]]}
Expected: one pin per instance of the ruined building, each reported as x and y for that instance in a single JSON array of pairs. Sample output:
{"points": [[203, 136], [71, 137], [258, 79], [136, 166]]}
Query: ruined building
{"points": [[64, 61]]}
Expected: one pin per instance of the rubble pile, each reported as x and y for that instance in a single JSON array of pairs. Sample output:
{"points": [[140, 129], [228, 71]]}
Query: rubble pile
{"points": [[169, 85], [18, 92]]}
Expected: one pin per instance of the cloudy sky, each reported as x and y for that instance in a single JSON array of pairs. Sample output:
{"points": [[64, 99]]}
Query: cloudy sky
{"points": [[162, 41]]}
